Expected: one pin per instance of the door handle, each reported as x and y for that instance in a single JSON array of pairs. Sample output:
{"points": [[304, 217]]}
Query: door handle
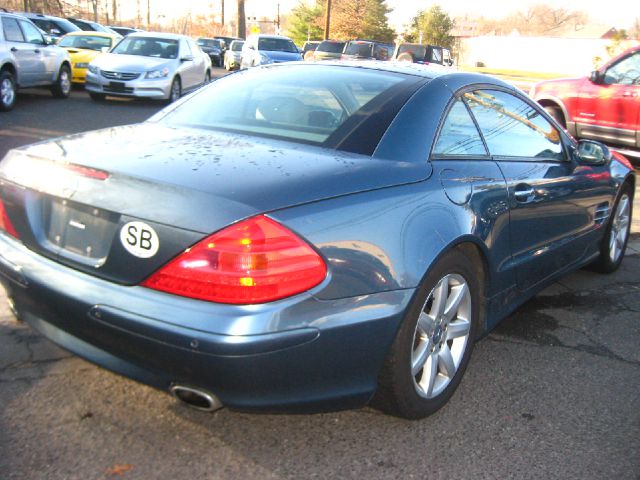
{"points": [[630, 94], [14, 49], [524, 193], [37, 50]]}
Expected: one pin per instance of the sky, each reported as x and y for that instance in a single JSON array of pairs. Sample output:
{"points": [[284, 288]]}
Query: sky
{"points": [[618, 13]]}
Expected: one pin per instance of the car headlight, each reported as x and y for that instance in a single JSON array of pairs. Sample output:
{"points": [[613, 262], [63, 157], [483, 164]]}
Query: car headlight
{"points": [[157, 73], [81, 65], [93, 69], [264, 59]]}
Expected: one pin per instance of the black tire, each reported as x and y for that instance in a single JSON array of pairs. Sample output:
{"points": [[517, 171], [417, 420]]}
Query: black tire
{"points": [[8, 91], [614, 241], [401, 392], [207, 77], [556, 114], [97, 97], [62, 87], [176, 90]]}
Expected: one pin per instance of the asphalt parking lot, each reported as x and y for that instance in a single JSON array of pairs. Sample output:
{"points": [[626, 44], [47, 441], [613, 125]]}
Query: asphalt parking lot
{"points": [[553, 392]]}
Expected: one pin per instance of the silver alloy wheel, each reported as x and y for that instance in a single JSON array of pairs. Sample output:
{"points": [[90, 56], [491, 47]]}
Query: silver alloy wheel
{"points": [[65, 81], [619, 228], [441, 335], [7, 91]]}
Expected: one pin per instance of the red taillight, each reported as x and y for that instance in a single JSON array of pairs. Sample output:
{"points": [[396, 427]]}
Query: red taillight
{"points": [[87, 171], [5, 222], [254, 261]]}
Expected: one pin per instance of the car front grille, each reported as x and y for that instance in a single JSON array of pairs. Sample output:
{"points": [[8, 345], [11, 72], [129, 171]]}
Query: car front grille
{"points": [[119, 75]]}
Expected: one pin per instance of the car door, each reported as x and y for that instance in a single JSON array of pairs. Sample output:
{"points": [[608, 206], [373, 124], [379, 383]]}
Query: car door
{"points": [[47, 56], [472, 180], [609, 108], [200, 62], [26, 55], [557, 206], [188, 68]]}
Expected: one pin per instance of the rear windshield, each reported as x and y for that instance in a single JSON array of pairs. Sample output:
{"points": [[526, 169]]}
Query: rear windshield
{"points": [[277, 44], [88, 42], [418, 51], [148, 47], [308, 104], [209, 42], [330, 47], [236, 46], [360, 49]]}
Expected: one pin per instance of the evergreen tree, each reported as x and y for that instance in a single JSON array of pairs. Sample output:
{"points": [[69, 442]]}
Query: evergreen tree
{"points": [[305, 22], [435, 26]]}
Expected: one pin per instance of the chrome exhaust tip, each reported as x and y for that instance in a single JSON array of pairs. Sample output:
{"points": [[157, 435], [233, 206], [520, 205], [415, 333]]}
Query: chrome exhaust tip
{"points": [[196, 398]]}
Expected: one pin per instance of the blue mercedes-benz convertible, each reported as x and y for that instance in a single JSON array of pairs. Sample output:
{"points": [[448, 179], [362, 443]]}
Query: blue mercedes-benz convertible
{"points": [[306, 237]]}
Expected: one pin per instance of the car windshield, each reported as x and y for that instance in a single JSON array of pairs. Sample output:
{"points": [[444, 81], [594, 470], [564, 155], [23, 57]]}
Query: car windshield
{"points": [[330, 47], [88, 42], [306, 105], [148, 47], [237, 46], [360, 49], [208, 42], [277, 44], [55, 26]]}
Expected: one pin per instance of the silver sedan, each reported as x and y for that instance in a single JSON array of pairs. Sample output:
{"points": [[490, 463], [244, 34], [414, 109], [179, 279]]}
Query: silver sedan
{"points": [[150, 65]]}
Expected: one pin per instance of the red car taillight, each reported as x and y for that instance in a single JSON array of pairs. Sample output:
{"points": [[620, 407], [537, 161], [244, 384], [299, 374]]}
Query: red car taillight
{"points": [[5, 222], [254, 261]]}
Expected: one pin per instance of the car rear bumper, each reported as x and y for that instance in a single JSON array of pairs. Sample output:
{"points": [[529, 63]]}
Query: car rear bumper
{"points": [[298, 354]]}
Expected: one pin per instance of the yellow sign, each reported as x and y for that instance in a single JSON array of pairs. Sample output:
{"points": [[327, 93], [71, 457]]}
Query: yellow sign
{"points": [[255, 28]]}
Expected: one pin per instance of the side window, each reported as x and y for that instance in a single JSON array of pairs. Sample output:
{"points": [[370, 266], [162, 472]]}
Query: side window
{"points": [[459, 135], [625, 72], [31, 33], [513, 128], [186, 49], [12, 32]]}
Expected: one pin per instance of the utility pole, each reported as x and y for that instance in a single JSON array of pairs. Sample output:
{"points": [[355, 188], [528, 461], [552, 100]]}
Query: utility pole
{"points": [[278, 20], [242, 20], [222, 12], [114, 10], [327, 22], [149, 14]]}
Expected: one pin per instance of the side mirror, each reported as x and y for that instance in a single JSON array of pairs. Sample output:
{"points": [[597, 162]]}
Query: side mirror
{"points": [[104, 49], [187, 58], [590, 152], [595, 77]]}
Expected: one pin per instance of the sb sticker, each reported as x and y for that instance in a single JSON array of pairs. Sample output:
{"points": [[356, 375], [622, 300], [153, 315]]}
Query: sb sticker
{"points": [[139, 239]]}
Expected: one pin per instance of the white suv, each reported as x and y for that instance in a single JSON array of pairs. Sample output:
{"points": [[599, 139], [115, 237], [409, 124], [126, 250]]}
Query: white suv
{"points": [[27, 59]]}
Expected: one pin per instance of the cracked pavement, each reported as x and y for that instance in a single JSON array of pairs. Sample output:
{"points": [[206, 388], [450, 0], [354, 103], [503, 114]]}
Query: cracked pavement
{"points": [[552, 392]]}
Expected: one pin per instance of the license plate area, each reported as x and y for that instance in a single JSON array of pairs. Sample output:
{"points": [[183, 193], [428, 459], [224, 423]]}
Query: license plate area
{"points": [[79, 232], [117, 86]]}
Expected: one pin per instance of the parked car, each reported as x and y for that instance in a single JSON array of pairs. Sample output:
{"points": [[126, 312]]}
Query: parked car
{"points": [[83, 47], [151, 65], [266, 49], [308, 48], [124, 31], [366, 50], [424, 54], [27, 59], [307, 236], [212, 47], [329, 50], [604, 106], [233, 55], [226, 41], [89, 26], [56, 27]]}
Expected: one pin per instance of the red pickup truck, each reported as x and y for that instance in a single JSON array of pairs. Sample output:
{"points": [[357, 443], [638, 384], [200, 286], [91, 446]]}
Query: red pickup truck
{"points": [[604, 106]]}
